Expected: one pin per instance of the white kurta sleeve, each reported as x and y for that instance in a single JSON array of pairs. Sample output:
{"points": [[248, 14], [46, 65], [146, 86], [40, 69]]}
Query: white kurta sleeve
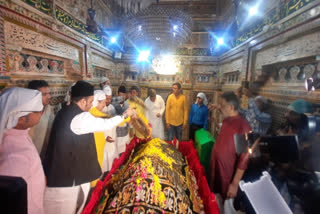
{"points": [[163, 107], [85, 123]]}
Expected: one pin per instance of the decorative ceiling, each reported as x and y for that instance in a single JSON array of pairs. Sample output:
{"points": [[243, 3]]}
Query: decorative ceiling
{"points": [[207, 16]]}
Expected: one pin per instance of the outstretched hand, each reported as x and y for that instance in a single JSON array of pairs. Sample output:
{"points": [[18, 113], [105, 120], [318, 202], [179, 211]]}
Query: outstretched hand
{"points": [[109, 139], [129, 112]]}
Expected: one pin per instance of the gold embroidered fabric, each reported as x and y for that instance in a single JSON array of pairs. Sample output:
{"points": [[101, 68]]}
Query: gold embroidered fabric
{"points": [[155, 179]]}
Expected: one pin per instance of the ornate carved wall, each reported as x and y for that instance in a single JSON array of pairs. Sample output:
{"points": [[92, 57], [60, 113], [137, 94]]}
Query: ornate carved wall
{"points": [[279, 60]]}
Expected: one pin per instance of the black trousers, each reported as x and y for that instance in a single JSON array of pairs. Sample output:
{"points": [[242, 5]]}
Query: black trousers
{"points": [[193, 128]]}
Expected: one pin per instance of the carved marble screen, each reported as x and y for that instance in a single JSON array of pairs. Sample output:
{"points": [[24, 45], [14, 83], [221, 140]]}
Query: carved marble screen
{"points": [[32, 53]]}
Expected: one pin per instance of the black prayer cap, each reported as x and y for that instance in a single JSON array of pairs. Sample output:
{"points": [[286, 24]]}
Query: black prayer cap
{"points": [[82, 89], [122, 89]]}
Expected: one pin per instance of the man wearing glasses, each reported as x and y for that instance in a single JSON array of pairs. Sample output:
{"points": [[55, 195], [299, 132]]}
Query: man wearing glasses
{"points": [[226, 166], [39, 132]]}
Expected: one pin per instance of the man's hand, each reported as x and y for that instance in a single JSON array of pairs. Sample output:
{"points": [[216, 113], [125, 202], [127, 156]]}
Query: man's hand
{"points": [[168, 126], [232, 190], [109, 139], [184, 127], [213, 107], [129, 112], [158, 115]]}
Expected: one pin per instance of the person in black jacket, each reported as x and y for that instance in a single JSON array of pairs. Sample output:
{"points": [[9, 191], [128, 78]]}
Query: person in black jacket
{"points": [[71, 160]]}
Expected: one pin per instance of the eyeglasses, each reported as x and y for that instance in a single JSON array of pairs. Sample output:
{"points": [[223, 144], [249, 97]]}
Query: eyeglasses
{"points": [[35, 111], [46, 94]]}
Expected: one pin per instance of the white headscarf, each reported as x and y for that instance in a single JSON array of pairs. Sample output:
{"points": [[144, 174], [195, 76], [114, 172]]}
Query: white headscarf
{"points": [[107, 90], [15, 103], [203, 97], [98, 95]]}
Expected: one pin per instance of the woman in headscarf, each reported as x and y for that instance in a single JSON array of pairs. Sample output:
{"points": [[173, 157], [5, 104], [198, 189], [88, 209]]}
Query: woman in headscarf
{"points": [[21, 109], [198, 117]]}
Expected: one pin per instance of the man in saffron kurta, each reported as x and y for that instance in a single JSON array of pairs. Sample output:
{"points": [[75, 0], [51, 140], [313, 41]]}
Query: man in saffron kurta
{"points": [[176, 112], [226, 166]]}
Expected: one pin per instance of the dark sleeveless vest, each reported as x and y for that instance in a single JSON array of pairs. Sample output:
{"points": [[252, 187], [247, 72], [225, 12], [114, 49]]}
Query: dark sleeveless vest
{"points": [[70, 159]]}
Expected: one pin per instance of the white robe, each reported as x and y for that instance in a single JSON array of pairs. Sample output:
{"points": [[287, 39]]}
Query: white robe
{"points": [[152, 109]]}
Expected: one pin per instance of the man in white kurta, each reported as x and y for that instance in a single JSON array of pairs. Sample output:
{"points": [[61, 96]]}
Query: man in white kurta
{"points": [[71, 159], [110, 148], [21, 109], [154, 110]]}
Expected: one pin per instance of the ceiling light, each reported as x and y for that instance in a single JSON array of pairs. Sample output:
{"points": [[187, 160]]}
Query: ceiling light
{"points": [[253, 11], [113, 40], [175, 27], [220, 41], [144, 56]]}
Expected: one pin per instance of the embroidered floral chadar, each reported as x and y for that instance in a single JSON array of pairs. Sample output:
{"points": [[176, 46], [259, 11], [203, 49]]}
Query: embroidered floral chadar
{"points": [[154, 177]]}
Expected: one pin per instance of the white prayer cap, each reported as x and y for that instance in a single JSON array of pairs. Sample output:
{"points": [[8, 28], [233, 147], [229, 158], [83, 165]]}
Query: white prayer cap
{"points": [[203, 97], [107, 90], [98, 95], [104, 79], [15, 103]]}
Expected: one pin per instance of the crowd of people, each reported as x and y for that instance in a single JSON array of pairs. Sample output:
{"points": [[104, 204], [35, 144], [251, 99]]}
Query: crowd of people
{"points": [[93, 127]]}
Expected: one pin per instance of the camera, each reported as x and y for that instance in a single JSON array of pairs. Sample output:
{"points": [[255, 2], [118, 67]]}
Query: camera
{"points": [[280, 156]]}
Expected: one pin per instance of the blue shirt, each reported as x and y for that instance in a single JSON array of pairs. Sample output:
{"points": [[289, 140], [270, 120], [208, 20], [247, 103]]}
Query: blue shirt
{"points": [[259, 121], [199, 115]]}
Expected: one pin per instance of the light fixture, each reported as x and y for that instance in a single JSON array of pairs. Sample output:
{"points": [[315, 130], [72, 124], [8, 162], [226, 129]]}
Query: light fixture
{"points": [[166, 64], [253, 11], [161, 27], [175, 27], [253, 42], [113, 40], [220, 41], [144, 56]]}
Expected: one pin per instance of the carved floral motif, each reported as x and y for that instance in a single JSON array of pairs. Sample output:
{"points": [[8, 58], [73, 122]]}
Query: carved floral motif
{"points": [[32, 61], [235, 65], [309, 70], [305, 46], [19, 62], [28, 39], [294, 71]]}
